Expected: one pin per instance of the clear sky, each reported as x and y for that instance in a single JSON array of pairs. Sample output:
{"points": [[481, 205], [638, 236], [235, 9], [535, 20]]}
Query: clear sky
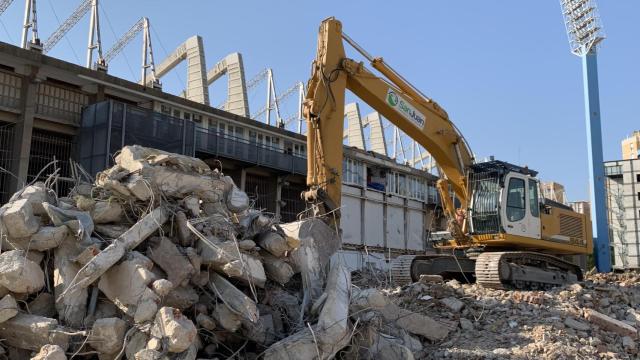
{"points": [[502, 69]]}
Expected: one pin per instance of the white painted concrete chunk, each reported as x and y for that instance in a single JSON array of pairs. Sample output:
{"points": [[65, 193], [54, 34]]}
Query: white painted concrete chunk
{"points": [[19, 274], [107, 335], [50, 352], [19, 219], [8, 308], [176, 328]]}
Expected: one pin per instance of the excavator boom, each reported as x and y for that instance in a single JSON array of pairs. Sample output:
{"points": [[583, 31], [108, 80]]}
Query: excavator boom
{"points": [[392, 96]]}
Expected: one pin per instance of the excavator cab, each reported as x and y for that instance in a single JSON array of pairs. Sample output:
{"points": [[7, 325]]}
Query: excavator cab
{"points": [[504, 200]]}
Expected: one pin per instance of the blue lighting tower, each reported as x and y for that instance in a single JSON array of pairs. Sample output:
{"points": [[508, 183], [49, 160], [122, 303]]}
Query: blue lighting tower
{"points": [[585, 34]]}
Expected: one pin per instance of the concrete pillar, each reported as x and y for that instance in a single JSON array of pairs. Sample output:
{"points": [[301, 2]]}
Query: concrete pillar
{"points": [[24, 130], [279, 181], [243, 179]]}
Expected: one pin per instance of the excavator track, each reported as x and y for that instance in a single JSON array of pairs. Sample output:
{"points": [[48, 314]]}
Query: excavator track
{"points": [[401, 269], [524, 270], [408, 268]]}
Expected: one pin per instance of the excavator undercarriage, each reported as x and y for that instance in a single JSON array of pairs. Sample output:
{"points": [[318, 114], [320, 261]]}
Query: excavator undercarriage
{"points": [[522, 270]]}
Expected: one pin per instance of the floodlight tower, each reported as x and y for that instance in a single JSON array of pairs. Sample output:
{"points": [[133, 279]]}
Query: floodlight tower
{"points": [[585, 34]]}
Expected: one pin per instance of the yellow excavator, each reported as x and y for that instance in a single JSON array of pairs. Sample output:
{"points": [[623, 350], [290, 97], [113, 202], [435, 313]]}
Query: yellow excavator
{"points": [[500, 231]]}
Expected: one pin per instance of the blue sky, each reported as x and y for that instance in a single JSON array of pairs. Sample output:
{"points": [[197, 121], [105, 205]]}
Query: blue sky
{"points": [[504, 73]]}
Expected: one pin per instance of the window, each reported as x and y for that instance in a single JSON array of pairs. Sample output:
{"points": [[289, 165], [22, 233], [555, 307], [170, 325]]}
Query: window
{"points": [[352, 172], [397, 183], [533, 198], [637, 177], [516, 200], [417, 188], [176, 113]]}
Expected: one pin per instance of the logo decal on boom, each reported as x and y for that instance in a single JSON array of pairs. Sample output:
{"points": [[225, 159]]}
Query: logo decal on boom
{"points": [[405, 108]]}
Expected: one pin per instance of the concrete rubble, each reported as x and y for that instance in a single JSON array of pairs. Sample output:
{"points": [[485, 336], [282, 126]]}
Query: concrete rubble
{"points": [[593, 319], [164, 258]]}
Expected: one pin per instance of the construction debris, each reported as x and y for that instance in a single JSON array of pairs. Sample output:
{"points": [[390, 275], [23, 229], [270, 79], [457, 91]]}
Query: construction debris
{"points": [[164, 258]]}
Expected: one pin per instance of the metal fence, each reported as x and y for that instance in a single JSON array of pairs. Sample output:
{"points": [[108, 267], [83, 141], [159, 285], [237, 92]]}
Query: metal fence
{"points": [[292, 204], [262, 191], [45, 148], [6, 150]]}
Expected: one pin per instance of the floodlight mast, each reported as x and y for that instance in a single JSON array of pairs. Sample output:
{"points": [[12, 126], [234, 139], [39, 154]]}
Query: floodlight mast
{"points": [[584, 30]]}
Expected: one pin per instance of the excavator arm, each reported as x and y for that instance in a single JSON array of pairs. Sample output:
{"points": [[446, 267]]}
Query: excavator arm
{"points": [[392, 96]]}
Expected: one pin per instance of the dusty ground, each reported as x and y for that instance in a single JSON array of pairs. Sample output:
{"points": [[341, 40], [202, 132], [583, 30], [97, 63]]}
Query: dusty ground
{"points": [[526, 324]]}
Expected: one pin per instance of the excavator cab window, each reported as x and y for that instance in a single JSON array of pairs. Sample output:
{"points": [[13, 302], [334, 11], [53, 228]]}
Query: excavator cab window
{"points": [[516, 208], [534, 205]]}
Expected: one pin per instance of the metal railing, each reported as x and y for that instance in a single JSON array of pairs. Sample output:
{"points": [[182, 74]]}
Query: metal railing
{"points": [[214, 143]]}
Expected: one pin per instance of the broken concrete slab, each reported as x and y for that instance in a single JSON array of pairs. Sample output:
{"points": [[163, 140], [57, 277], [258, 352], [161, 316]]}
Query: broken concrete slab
{"points": [[414, 323], [107, 335], [610, 324], [234, 298], [138, 187], [32, 332], [8, 308], [48, 237], [576, 325], [114, 252], [303, 345], [71, 309], [276, 269], [228, 319], [50, 352], [175, 328], [105, 212], [137, 341], [313, 232], [246, 245], [136, 157], [166, 255], [43, 305], [274, 243], [247, 269], [192, 203], [126, 283], [262, 332], [181, 297], [149, 354], [453, 304], [185, 236], [205, 321], [19, 220], [162, 287], [35, 195], [333, 320], [367, 299], [19, 274], [111, 231]]}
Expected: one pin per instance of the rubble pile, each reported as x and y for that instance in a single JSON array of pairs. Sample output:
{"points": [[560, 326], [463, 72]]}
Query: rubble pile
{"points": [[594, 319], [162, 257]]}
